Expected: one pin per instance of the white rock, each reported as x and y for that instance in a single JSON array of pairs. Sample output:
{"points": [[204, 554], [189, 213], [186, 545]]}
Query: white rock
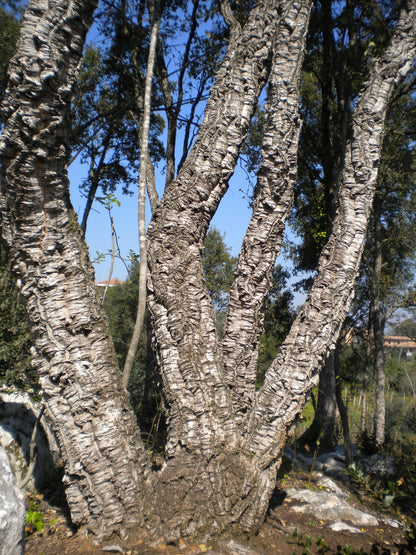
{"points": [[327, 506], [329, 485], [18, 414], [340, 526], [12, 510]]}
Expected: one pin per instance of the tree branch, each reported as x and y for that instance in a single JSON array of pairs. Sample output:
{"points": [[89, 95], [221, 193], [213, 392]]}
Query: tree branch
{"points": [[272, 206], [318, 324]]}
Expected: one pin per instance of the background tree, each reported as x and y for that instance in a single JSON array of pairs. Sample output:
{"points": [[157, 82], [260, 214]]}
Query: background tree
{"points": [[15, 367], [342, 40], [407, 328], [219, 267], [279, 314], [389, 258], [335, 67], [10, 28], [104, 130]]}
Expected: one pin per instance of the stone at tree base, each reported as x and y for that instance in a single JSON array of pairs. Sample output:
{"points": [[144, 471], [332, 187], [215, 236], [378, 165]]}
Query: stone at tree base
{"points": [[12, 510], [231, 547], [328, 506], [329, 485], [18, 414], [340, 526]]}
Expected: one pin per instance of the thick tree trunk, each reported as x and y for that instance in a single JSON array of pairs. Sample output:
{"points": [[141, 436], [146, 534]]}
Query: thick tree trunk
{"points": [[317, 326], [183, 317], [204, 440], [98, 436], [272, 207], [224, 445], [190, 361]]}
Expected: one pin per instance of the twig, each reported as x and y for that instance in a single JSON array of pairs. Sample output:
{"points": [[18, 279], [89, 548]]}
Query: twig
{"points": [[32, 451]]}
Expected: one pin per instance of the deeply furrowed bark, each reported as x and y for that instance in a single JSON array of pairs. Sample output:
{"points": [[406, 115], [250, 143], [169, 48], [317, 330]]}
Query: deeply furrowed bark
{"points": [[204, 444], [219, 471], [317, 326], [272, 206], [99, 440], [183, 319]]}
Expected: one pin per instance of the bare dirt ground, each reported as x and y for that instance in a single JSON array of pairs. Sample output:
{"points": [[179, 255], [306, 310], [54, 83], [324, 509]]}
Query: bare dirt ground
{"points": [[284, 532]]}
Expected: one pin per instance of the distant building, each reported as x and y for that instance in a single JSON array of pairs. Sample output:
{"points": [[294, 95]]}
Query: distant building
{"points": [[400, 344], [112, 283]]}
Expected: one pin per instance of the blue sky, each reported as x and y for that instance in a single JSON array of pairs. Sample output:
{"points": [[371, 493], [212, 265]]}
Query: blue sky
{"points": [[232, 218]]}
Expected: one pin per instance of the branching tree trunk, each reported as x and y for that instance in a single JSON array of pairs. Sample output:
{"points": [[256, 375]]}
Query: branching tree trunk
{"points": [[224, 438]]}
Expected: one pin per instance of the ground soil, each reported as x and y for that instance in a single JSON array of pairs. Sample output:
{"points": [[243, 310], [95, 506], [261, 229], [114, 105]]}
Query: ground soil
{"points": [[284, 532]]}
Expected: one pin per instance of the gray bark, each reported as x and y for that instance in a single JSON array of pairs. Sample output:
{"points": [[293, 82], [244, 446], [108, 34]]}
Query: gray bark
{"points": [[378, 330], [183, 317], [317, 326], [272, 207], [203, 437], [224, 444], [99, 441]]}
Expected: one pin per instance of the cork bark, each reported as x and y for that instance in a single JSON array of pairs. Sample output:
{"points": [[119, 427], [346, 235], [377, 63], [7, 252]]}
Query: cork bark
{"points": [[224, 438]]}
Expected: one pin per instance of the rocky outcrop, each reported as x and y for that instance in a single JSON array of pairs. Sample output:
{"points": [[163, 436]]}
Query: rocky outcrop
{"points": [[329, 506], [18, 416], [330, 501], [12, 510]]}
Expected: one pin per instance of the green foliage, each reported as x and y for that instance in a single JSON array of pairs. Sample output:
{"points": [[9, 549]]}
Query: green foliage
{"points": [[406, 328], [335, 66], [410, 539], [9, 33], [34, 520], [353, 360], [15, 340], [400, 374], [101, 131], [251, 150], [278, 317], [120, 305], [404, 454], [308, 543], [219, 267]]}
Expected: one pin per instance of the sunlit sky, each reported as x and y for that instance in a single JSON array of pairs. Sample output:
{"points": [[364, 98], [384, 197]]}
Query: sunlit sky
{"points": [[231, 219]]}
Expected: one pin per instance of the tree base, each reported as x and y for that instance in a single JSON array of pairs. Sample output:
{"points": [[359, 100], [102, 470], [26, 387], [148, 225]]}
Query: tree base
{"points": [[194, 494]]}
